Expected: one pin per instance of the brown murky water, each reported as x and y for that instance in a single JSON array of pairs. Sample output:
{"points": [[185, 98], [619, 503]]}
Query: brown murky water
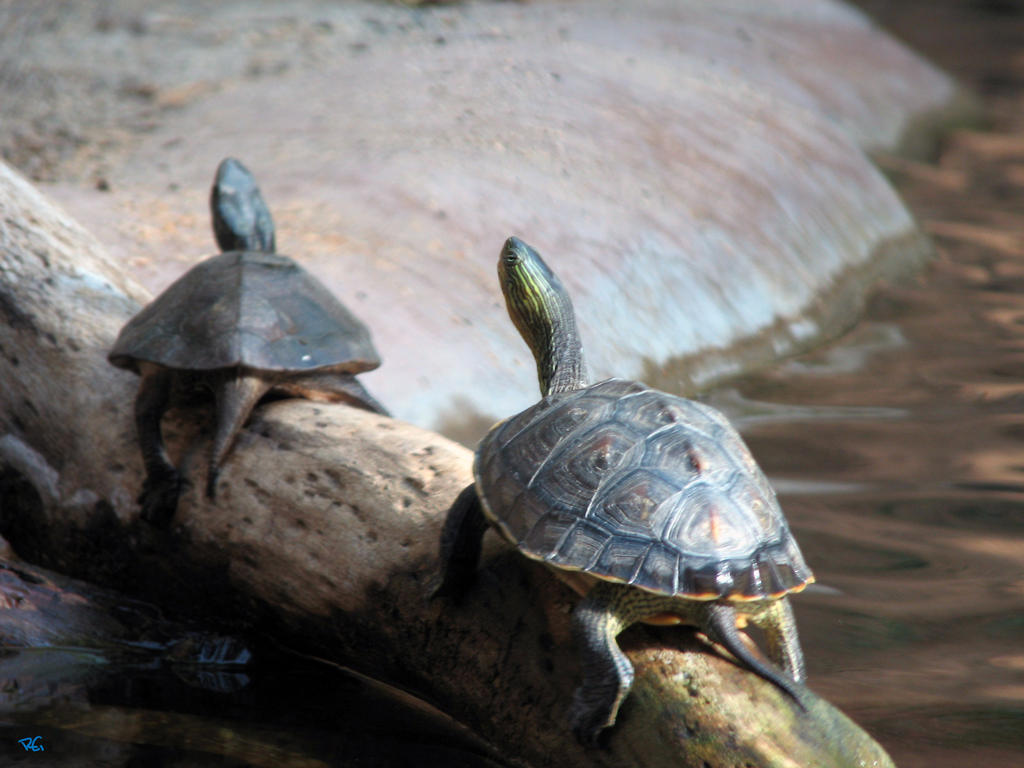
{"points": [[899, 454], [904, 482]]}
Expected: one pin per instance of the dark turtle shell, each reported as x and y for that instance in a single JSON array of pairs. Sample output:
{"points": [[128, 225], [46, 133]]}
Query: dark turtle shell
{"points": [[246, 308], [634, 485]]}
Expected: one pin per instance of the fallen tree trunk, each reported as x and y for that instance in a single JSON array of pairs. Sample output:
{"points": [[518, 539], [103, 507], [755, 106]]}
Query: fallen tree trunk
{"points": [[325, 534]]}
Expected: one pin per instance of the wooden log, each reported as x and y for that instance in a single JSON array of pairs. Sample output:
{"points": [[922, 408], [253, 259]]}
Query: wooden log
{"points": [[325, 533]]}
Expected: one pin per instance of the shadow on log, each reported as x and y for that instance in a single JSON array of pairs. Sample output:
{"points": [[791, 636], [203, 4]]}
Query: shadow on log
{"points": [[325, 535], [42, 609]]}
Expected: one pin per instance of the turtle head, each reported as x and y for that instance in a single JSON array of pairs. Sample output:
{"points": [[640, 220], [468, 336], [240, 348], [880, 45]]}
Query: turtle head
{"points": [[542, 312], [241, 220]]}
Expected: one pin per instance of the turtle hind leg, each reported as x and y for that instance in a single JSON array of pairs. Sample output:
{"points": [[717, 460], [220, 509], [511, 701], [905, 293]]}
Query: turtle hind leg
{"points": [[237, 394], [607, 672], [720, 625], [331, 386], [162, 486], [607, 610], [357, 395], [779, 626], [461, 542]]}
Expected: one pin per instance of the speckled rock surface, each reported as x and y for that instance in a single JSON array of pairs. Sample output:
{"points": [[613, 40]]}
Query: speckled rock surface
{"points": [[693, 170]]}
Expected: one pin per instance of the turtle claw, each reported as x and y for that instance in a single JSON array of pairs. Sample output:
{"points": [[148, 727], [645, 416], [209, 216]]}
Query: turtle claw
{"points": [[461, 540], [588, 724], [159, 497], [211, 484], [452, 587]]}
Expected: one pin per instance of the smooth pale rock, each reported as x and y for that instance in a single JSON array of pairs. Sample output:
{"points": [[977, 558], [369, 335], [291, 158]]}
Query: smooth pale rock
{"points": [[325, 534], [693, 170]]}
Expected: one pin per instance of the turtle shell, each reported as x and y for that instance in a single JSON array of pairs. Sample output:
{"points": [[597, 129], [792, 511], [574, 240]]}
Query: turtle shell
{"points": [[634, 485], [246, 308]]}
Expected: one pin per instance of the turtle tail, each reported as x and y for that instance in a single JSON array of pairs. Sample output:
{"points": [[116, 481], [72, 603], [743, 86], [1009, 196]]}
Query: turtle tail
{"points": [[721, 627]]}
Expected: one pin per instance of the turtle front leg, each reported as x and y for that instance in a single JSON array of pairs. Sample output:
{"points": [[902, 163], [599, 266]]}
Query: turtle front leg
{"points": [[162, 486], [597, 620], [461, 542]]}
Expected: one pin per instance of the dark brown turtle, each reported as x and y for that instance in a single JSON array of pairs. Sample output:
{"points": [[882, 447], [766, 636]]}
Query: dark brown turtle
{"points": [[648, 504], [244, 323]]}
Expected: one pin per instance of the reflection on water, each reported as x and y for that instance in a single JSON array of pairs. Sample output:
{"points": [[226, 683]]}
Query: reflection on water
{"points": [[87, 710], [903, 479]]}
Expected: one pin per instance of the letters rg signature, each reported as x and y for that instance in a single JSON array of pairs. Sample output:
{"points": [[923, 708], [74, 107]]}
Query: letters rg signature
{"points": [[32, 744]]}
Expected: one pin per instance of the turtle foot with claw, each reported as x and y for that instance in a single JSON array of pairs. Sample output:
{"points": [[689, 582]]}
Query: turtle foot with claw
{"points": [[159, 497]]}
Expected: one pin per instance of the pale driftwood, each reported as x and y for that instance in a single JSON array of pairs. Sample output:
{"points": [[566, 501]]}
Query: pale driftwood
{"points": [[325, 532]]}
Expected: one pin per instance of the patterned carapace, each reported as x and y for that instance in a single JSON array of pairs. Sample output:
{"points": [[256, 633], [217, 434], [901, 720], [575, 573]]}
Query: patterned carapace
{"points": [[636, 485]]}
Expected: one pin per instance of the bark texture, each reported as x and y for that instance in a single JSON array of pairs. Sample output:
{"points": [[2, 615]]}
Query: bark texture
{"points": [[325, 533]]}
